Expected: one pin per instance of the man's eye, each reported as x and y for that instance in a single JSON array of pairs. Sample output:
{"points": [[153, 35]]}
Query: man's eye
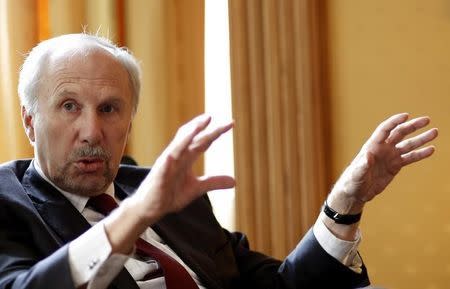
{"points": [[107, 108], [69, 106]]}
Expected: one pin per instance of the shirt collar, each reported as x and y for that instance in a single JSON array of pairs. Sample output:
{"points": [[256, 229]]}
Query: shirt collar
{"points": [[79, 202]]}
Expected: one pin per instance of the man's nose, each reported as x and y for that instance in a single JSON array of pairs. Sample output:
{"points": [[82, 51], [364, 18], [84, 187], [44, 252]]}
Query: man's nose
{"points": [[91, 130]]}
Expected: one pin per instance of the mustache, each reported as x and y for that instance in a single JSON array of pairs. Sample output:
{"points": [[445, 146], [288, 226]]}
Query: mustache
{"points": [[91, 152]]}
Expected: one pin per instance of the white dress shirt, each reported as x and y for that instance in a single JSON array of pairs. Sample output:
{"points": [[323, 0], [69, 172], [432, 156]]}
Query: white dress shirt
{"points": [[91, 261]]}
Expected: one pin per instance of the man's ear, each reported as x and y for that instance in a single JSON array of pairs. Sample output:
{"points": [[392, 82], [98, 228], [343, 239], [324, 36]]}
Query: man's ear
{"points": [[27, 120]]}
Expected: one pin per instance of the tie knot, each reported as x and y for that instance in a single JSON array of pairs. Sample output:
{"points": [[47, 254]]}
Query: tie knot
{"points": [[102, 203]]}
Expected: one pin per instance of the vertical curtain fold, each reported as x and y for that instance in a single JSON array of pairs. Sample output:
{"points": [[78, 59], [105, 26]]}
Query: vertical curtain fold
{"points": [[103, 18], [277, 104], [67, 16], [43, 24]]}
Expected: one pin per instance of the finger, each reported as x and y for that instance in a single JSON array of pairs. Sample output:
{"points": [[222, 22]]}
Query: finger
{"points": [[384, 129], [417, 155], [185, 135], [211, 183], [203, 140], [404, 129], [417, 141], [198, 144]]}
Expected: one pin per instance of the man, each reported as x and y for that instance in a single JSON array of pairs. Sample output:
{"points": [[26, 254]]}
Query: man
{"points": [[79, 94]]}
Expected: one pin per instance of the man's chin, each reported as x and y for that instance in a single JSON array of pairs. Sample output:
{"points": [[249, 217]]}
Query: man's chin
{"points": [[87, 185]]}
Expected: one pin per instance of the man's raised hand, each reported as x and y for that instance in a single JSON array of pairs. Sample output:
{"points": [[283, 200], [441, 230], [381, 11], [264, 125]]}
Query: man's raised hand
{"points": [[384, 154], [171, 185]]}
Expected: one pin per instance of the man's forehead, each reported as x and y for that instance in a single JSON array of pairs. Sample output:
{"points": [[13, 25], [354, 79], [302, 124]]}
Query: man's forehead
{"points": [[85, 61], [77, 50], [91, 65]]}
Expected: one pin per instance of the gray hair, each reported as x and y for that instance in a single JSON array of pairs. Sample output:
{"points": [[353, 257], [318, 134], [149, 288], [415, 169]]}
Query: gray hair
{"points": [[32, 68]]}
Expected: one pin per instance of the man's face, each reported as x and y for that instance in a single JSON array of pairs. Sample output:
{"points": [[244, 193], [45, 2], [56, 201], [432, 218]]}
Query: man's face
{"points": [[82, 121]]}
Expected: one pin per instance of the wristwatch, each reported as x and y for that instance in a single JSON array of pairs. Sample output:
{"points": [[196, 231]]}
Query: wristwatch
{"points": [[340, 218]]}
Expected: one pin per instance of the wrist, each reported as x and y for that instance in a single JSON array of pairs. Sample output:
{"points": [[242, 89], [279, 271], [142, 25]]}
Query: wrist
{"points": [[343, 232], [343, 219], [340, 202], [142, 217], [124, 226]]}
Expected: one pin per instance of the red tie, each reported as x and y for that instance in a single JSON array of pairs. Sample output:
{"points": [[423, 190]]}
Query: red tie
{"points": [[175, 274]]}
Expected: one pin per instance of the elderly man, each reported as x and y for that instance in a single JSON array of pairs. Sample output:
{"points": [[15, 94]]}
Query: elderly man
{"points": [[73, 217]]}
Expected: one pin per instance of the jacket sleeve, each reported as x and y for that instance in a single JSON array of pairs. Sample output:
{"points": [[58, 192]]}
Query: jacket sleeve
{"points": [[307, 266], [23, 263]]}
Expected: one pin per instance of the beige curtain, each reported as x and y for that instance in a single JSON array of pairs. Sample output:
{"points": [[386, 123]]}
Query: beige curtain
{"points": [[166, 35], [14, 15], [279, 107]]}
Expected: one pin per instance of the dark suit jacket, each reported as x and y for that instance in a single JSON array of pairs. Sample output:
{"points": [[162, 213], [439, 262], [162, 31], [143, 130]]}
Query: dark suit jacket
{"points": [[37, 223]]}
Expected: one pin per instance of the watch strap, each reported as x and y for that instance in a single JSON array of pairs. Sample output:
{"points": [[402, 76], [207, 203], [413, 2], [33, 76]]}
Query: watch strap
{"points": [[340, 218]]}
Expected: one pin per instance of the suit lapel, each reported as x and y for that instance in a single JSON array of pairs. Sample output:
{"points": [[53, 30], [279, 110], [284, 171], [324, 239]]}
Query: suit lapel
{"points": [[55, 209]]}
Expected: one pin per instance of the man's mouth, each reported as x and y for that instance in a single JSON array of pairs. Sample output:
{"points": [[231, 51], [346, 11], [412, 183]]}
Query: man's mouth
{"points": [[90, 165]]}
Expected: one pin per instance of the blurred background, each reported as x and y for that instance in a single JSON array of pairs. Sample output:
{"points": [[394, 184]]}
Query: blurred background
{"points": [[306, 82]]}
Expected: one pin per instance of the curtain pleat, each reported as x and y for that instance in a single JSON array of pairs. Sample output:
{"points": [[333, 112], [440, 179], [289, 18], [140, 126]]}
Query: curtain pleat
{"points": [[278, 107], [67, 16], [102, 18], [42, 16]]}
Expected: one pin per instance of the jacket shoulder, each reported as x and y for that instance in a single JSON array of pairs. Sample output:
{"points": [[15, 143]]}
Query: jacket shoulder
{"points": [[11, 176], [14, 169]]}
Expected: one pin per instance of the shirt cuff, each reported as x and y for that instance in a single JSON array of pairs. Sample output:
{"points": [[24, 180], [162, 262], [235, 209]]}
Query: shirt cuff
{"points": [[346, 252], [90, 259]]}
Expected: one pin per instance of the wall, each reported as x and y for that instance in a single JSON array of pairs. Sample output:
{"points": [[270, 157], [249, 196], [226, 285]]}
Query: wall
{"points": [[387, 57]]}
